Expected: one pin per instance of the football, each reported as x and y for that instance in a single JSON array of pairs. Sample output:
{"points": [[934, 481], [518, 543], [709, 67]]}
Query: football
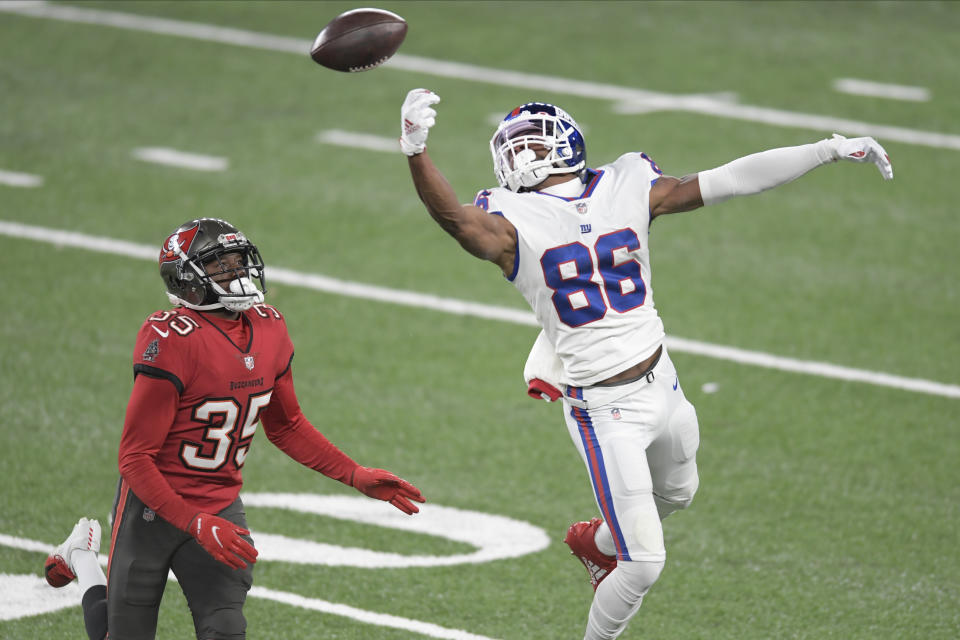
{"points": [[359, 40]]}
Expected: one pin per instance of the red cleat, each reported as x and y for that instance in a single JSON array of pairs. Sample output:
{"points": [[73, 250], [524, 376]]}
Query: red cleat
{"points": [[582, 545]]}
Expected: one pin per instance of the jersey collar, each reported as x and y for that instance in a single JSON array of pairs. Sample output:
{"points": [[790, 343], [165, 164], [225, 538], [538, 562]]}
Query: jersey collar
{"points": [[593, 178]]}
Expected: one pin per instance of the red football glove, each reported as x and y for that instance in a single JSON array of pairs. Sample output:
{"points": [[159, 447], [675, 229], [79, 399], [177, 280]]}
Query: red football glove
{"points": [[221, 539], [383, 485]]}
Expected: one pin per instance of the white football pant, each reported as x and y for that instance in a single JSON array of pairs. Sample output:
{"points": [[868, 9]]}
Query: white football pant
{"points": [[639, 443]]}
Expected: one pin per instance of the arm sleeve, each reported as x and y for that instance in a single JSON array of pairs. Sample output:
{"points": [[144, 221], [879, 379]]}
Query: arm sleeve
{"points": [[288, 429], [761, 171], [150, 414]]}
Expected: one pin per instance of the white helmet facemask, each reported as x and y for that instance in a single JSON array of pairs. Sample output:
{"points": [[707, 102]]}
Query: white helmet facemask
{"points": [[539, 129]]}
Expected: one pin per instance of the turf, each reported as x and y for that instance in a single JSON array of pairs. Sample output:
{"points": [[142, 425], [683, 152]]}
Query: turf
{"points": [[827, 509]]}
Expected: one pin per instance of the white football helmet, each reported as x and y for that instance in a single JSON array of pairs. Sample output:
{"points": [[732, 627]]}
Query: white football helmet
{"points": [[515, 162]]}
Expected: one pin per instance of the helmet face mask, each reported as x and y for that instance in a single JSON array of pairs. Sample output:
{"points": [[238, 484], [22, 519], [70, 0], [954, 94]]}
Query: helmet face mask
{"points": [[536, 140], [208, 264]]}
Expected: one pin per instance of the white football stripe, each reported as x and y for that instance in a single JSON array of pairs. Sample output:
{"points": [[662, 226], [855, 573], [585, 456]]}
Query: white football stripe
{"points": [[182, 159], [17, 179], [640, 99], [26, 595], [30, 595], [326, 284], [359, 140], [362, 615], [493, 537], [857, 87]]}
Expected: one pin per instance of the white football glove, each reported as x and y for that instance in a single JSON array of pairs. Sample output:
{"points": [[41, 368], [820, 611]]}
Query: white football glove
{"points": [[416, 118], [860, 150]]}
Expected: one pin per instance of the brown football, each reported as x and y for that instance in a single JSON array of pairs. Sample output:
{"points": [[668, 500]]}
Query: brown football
{"points": [[359, 40]]}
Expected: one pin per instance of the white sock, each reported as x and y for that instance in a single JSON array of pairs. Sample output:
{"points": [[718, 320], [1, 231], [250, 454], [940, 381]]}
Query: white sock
{"points": [[604, 540], [87, 568], [619, 597]]}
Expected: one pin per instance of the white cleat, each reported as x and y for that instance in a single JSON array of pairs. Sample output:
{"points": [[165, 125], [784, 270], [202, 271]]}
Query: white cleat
{"points": [[58, 567]]}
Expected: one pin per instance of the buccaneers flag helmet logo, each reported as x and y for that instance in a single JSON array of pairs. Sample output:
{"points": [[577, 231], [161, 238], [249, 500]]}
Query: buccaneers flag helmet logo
{"points": [[181, 240]]}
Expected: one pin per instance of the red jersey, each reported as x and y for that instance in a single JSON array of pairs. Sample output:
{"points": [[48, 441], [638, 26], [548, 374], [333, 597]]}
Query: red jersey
{"points": [[202, 385]]}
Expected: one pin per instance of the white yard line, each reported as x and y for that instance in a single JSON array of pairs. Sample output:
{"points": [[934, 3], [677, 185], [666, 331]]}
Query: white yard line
{"points": [[362, 615], [40, 598], [326, 284], [872, 89], [17, 179], [359, 140], [181, 159], [627, 98]]}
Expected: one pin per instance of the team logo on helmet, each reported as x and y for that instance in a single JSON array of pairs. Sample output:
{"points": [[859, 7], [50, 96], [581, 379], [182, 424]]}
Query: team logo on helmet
{"points": [[181, 240]]}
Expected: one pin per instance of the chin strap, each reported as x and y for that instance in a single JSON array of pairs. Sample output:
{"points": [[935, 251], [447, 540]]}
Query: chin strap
{"points": [[532, 176], [242, 295], [524, 176]]}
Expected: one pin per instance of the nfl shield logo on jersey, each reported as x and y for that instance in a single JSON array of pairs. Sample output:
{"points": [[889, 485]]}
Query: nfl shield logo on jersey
{"points": [[615, 413], [581, 207], [248, 362]]}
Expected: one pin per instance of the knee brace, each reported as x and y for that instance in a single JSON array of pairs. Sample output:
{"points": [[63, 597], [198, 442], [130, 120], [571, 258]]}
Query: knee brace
{"points": [[635, 578], [619, 597]]}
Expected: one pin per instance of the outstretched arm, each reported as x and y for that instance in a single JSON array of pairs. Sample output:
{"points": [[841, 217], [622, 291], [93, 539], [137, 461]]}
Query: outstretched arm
{"points": [[489, 237], [761, 171]]}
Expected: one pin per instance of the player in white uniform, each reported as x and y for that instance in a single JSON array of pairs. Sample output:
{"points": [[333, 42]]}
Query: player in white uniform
{"points": [[574, 241]]}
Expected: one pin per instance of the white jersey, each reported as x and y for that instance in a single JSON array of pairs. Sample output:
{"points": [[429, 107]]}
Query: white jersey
{"points": [[583, 265]]}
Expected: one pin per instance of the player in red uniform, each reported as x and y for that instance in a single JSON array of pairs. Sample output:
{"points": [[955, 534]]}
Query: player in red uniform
{"points": [[205, 375]]}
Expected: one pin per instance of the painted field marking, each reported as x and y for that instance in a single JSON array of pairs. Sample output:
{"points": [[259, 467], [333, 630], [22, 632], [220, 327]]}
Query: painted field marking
{"points": [[370, 617], [639, 99], [327, 284], [493, 537], [872, 89], [181, 159], [17, 179], [359, 140], [29, 595]]}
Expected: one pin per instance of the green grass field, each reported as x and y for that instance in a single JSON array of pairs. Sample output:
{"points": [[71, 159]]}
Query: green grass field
{"points": [[828, 509]]}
